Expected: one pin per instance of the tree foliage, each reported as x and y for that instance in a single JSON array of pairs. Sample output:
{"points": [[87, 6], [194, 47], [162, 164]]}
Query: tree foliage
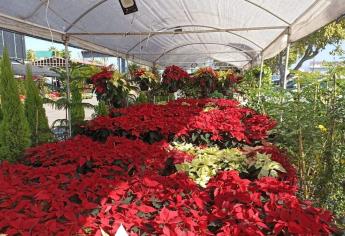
{"points": [[78, 76], [14, 128], [77, 109], [312, 131], [35, 113], [310, 46], [58, 53], [101, 109], [1, 115], [30, 55]]}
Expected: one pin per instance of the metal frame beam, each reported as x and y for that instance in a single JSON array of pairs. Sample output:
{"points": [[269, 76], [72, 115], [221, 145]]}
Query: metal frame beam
{"points": [[287, 29], [121, 34], [36, 9], [260, 78], [268, 11], [190, 62], [286, 64], [196, 53], [68, 90], [200, 26], [84, 14]]}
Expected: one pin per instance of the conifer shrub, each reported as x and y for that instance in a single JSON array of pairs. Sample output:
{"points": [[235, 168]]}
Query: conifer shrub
{"points": [[35, 113], [14, 127]]}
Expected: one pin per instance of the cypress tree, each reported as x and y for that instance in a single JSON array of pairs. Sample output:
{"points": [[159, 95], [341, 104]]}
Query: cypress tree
{"points": [[0, 112], [77, 109], [35, 113], [14, 128]]}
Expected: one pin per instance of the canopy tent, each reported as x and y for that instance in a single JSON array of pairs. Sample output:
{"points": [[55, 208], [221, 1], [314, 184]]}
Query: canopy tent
{"points": [[164, 32], [180, 32]]}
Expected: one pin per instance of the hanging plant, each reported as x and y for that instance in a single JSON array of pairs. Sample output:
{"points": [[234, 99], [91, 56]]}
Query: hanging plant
{"points": [[145, 79], [206, 79], [173, 78]]}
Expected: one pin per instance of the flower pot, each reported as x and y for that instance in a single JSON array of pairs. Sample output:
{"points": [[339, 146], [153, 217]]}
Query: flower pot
{"points": [[143, 86]]}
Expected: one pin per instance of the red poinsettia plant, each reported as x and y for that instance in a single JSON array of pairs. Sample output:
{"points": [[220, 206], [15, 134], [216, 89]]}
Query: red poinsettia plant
{"points": [[146, 79], [111, 87], [218, 121], [173, 78], [84, 187], [100, 79], [206, 80]]}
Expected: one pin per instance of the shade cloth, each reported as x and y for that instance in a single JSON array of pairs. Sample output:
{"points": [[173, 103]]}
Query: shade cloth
{"points": [[181, 32]]}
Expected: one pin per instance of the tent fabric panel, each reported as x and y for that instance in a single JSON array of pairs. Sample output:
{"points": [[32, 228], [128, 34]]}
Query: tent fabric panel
{"points": [[298, 18]]}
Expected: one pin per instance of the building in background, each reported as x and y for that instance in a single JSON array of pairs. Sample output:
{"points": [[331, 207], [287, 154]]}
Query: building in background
{"points": [[121, 64], [15, 44], [319, 66], [43, 54]]}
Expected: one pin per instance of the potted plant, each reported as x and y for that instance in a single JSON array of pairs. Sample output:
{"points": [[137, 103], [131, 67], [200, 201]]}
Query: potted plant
{"points": [[111, 87], [145, 79], [227, 81], [206, 79], [173, 78]]}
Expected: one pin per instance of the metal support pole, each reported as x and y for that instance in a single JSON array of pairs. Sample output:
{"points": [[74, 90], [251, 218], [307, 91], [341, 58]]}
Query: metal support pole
{"points": [[286, 61], [68, 90], [261, 74]]}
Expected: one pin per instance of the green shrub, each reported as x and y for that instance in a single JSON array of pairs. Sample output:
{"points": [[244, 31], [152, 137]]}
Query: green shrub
{"points": [[77, 109], [14, 128], [1, 115], [35, 113], [101, 109]]}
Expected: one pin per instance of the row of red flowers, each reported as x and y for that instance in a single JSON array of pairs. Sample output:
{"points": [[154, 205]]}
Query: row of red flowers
{"points": [[80, 186], [173, 79], [220, 118]]}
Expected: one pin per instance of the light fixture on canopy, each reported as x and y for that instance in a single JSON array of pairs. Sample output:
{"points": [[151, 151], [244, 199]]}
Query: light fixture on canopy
{"points": [[128, 6]]}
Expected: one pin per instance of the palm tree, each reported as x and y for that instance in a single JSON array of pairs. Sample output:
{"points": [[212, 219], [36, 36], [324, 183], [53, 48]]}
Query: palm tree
{"points": [[55, 51], [30, 55], [78, 76]]}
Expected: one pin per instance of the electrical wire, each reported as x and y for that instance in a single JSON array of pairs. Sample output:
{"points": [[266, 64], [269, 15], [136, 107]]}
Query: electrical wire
{"points": [[48, 24]]}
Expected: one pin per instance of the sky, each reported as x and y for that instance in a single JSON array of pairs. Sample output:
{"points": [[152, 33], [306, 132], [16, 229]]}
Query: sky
{"points": [[41, 45]]}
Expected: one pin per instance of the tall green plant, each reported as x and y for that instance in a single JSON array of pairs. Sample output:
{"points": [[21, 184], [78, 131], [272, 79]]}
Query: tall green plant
{"points": [[77, 109], [35, 113], [1, 115], [101, 109], [311, 128], [14, 128]]}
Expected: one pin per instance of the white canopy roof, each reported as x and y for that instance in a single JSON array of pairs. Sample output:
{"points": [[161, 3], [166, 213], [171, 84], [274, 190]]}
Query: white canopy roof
{"points": [[181, 32]]}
